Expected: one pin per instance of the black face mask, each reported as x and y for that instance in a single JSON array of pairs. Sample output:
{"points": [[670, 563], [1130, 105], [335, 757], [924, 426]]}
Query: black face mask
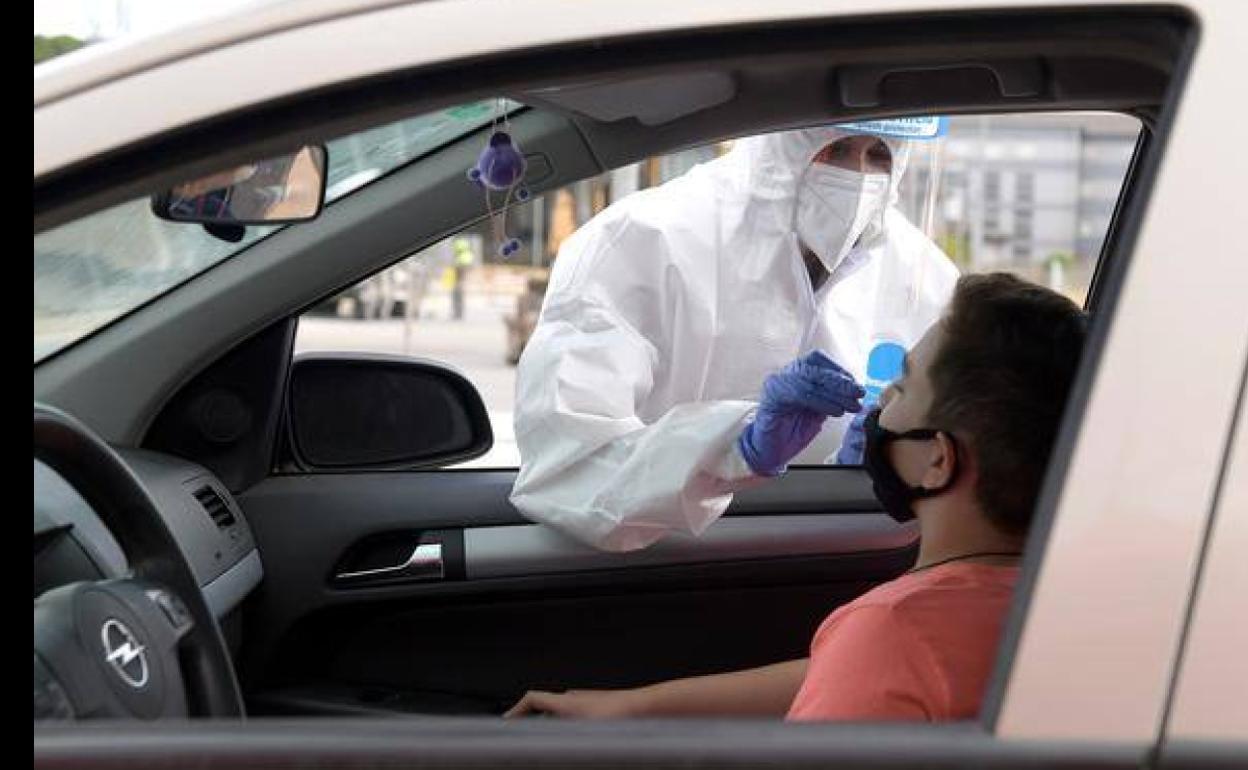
{"points": [[891, 490]]}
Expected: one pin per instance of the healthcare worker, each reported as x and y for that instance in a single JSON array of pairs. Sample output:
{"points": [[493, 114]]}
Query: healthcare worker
{"points": [[638, 405]]}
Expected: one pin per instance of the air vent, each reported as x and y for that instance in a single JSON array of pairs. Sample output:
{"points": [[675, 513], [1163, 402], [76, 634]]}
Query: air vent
{"points": [[215, 506]]}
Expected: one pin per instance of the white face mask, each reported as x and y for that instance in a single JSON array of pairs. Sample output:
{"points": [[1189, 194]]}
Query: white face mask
{"points": [[835, 207]]}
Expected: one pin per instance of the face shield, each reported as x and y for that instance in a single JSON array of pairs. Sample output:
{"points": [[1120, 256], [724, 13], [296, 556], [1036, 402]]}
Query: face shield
{"points": [[923, 138], [923, 141]]}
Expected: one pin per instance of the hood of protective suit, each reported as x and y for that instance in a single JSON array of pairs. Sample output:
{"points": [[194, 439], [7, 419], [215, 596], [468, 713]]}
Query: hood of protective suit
{"points": [[664, 315], [770, 166], [767, 173]]}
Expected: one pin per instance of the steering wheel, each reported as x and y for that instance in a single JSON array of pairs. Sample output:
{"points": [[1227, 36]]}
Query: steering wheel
{"points": [[143, 646]]}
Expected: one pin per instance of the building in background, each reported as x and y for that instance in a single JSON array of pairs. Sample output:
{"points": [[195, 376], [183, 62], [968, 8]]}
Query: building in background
{"points": [[1032, 194]]}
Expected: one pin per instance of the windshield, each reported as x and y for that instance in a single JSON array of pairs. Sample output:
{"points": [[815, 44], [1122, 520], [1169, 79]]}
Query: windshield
{"points": [[97, 269]]}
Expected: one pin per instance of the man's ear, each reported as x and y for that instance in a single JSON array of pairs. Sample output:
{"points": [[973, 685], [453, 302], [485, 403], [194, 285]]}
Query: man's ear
{"points": [[942, 462]]}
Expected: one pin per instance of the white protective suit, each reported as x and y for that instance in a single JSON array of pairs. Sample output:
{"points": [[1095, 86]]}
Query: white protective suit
{"points": [[664, 315]]}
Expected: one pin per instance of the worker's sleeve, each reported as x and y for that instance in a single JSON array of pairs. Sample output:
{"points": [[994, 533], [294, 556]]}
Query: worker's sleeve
{"points": [[590, 466]]}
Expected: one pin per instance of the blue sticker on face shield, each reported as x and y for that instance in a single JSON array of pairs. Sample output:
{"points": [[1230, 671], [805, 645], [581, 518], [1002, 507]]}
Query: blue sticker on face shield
{"points": [[920, 129], [884, 364]]}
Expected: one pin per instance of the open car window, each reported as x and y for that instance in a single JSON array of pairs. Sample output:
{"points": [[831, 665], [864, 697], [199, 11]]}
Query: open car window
{"points": [[1030, 194]]}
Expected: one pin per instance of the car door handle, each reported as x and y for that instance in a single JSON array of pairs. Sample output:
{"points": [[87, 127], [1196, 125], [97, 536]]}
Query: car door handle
{"points": [[425, 563]]}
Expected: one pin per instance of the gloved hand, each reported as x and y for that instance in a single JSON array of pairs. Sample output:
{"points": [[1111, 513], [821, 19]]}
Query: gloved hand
{"points": [[855, 442], [794, 404]]}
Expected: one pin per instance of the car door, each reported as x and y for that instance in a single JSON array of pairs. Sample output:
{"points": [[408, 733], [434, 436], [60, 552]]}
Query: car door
{"points": [[518, 606], [1204, 721]]}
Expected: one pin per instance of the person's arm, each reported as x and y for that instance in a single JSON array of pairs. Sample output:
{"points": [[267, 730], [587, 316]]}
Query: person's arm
{"points": [[590, 466], [764, 691]]}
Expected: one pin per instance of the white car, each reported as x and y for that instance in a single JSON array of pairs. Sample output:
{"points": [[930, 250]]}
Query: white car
{"points": [[220, 527]]}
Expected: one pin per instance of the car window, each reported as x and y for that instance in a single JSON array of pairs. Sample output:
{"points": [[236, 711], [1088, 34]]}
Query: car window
{"points": [[1028, 194], [96, 269]]}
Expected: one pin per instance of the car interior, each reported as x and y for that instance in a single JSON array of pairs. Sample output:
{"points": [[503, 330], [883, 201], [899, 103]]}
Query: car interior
{"points": [[194, 471]]}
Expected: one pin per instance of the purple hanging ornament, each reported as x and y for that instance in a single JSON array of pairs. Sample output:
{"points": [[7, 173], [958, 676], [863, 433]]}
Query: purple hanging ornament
{"points": [[500, 168]]}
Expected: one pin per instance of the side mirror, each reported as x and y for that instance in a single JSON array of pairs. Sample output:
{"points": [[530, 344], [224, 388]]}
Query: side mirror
{"points": [[376, 412], [284, 189]]}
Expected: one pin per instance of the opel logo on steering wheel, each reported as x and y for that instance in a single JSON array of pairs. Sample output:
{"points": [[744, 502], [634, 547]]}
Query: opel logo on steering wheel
{"points": [[123, 652]]}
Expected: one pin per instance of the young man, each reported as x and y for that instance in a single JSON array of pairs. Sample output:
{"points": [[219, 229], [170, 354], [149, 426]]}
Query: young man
{"points": [[961, 443]]}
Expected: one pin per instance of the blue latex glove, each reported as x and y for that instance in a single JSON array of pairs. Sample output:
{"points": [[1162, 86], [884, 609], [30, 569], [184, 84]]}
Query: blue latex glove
{"points": [[794, 404], [855, 442]]}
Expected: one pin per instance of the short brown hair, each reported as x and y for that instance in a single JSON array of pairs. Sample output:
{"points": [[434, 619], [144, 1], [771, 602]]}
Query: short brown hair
{"points": [[1000, 381]]}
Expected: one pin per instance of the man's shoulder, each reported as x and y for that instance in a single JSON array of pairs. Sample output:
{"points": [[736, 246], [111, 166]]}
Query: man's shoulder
{"points": [[642, 216], [919, 590], [876, 607], [637, 238], [890, 595]]}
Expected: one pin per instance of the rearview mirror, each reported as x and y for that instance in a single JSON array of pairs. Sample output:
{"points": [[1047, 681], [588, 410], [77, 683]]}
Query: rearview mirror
{"points": [[377, 412], [279, 190]]}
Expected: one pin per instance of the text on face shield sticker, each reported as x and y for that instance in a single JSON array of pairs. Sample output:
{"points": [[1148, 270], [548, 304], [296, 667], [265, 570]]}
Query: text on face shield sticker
{"points": [[901, 128]]}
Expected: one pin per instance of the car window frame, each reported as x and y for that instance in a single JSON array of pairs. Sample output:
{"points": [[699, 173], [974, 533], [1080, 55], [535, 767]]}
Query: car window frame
{"points": [[1131, 222]]}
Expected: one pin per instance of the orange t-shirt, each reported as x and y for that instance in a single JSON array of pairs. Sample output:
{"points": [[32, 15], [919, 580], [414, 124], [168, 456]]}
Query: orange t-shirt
{"points": [[920, 647]]}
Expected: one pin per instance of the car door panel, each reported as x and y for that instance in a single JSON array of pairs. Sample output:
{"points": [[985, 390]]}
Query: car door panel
{"points": [[491, 552], [519, 605]]}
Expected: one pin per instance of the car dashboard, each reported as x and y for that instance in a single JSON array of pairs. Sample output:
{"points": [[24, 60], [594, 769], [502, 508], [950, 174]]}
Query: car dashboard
{"points": [[72, 543]]}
